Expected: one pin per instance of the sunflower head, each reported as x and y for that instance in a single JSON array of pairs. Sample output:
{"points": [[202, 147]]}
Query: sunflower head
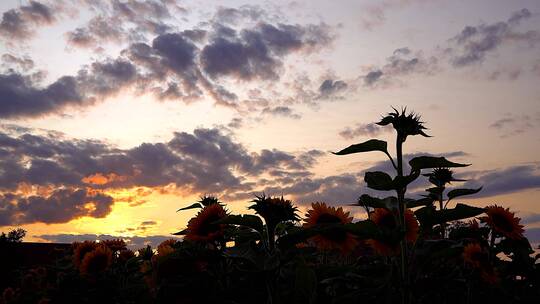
{"points": [[478, 258], [96, 261], [208, 200], [388, 221], [80, 251], [335, 237], [441, 176], [404, 123], [166, 247], [274, 209], [8, 295], [125, 255], [115, 244], [202, 227], [474, 255], [503, 221]]}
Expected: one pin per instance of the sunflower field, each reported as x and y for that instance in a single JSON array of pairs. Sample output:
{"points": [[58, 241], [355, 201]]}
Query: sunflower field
{"points": [[428, 249]]}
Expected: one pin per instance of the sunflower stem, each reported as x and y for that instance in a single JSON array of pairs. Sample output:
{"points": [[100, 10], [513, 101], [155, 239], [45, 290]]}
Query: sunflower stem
{"points": [[401, 210]]}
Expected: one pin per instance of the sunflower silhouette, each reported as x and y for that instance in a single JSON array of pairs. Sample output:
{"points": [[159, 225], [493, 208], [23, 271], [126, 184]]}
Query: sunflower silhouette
{"points": [[503, 221], [387, 220], [202, 227], [336, 238]]}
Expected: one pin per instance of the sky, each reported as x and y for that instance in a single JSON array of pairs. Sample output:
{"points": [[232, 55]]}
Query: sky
{"points": [[114, 114]]}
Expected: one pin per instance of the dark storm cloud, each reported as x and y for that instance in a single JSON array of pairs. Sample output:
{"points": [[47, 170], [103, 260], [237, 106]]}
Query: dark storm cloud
{"points": [[331, 89], [475, 42], [206, 161], [282, 111], [21, 23], [402, 62], [21, 97], [177, 52], [363, 130], [176, 65], [59, 207], [372, 77], [504, 181], [107, 77], [256, 53]]}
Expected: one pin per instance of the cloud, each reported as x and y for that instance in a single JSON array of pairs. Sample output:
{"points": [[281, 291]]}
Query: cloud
{"points": [[474, 43], [255, 53], [21, 23], [281, 111], [533, 234], [331, 89], [98, 31], [176, 65], [21, 97], [18, 96], [133, 242], [24, 63], [531, 218], [402, 62], [205, 161], [503, 181], [133, 21], [514, 124], [374, 14], [60, 206], [372, 77], [361, 129]]}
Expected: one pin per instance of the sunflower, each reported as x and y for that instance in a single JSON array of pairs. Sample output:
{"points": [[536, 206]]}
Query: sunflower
{"points": [[404, 123], [474, 255], [8, 295], [442, 176], [115, 244], [124, 255], [489, 275], [333, 239], [97, 260], [503, 221], [477, 257], [387, 220], [166, 247], [201, 228], [80, 250], [274, 209]]}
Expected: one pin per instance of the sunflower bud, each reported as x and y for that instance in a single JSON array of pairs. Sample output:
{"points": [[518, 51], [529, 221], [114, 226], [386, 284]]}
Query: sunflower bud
{"points": [[404, 123]]}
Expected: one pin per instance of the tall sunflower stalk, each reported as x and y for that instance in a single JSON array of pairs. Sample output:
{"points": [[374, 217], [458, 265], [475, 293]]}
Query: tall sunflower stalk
{"points": [[405, 124]]}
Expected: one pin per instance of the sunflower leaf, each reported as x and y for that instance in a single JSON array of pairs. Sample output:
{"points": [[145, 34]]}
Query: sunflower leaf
{"points": [[428, 216], [367, 146], [461, 192], [425, 201], [182, 232], [193, 206], [426, 162], [375, 202], [379, 181], [363, 229], [251, 221]]}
